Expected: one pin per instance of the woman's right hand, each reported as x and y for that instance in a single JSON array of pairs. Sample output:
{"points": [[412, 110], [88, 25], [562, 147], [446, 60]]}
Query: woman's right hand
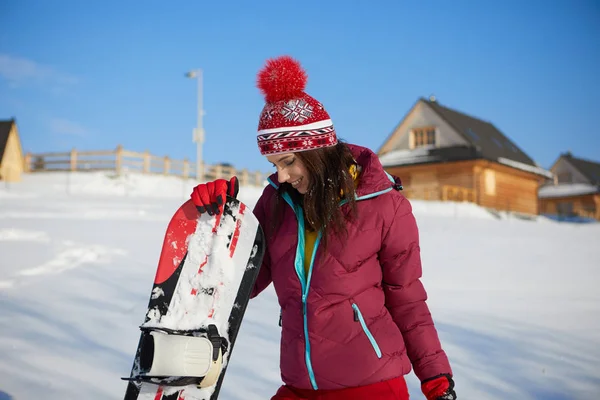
{"points": [[211, 196]]}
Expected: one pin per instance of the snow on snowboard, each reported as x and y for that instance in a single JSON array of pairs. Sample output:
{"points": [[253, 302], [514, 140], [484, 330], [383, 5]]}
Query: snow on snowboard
{"points": [[206, 271]]}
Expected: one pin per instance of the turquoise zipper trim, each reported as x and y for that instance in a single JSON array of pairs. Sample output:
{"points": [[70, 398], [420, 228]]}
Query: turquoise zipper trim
{"points": [[391, 178], [367, 331], [311, 373], [371, 195], [367, 196], [304, 281], [272, 183]]}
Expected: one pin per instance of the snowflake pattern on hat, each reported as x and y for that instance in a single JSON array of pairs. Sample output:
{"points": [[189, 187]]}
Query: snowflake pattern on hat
{"points": [[297, 110], [268, 112]]}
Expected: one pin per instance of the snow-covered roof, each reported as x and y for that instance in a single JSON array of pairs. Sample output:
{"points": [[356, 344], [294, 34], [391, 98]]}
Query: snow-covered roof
{"points": [[402, 157], [525, 167], [428, 154], [566, 190]]}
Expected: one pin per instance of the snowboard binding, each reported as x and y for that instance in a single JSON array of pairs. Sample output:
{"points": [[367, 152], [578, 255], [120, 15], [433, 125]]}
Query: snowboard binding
{"points": [[180, 358]]}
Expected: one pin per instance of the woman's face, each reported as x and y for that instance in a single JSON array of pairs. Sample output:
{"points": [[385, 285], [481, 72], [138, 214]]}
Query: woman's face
{"points": [[292, 170]]}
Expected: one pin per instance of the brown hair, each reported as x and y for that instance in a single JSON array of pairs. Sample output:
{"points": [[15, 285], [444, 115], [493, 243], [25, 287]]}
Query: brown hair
{"points": [[330, 183]]}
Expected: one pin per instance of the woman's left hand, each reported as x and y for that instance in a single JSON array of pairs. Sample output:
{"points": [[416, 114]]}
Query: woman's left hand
{"points": [[439, 388]]}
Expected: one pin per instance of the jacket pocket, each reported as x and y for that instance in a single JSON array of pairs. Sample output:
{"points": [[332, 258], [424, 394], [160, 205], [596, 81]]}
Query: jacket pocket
{"points": [[359, 318]]}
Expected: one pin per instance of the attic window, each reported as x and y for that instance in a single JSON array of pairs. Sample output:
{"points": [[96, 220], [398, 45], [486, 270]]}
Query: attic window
{"points": [[420, 137], [564, 177], [471, 133], [498, 143]]}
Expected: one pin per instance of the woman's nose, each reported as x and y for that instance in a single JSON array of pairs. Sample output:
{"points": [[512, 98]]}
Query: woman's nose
{"points": [[282, 176]]}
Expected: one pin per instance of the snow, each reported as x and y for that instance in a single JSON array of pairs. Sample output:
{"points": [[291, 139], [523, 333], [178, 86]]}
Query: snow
{"points": [[402, 157], [516, 302], [421, 155], [526, 167], [566, 190]]}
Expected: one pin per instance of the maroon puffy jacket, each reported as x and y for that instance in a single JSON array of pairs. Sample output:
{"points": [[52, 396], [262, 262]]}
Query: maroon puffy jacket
{"points": [[361, 316]]}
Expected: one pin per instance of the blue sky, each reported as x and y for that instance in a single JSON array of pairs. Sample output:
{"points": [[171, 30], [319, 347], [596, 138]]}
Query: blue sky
{"points": [[92, 75]]}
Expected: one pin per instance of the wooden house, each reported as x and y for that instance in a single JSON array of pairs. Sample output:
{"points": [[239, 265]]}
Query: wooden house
{"points": [[443, 154], [575, 190], [11, 152]]}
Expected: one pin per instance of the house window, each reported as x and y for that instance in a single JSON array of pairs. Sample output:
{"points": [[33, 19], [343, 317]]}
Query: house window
{"points": [[472, 133], [489, 178], [423, 137], [565, 177], [498, 143], [565, 209]]}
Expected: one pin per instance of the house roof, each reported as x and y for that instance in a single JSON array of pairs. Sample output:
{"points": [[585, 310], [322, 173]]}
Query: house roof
{"points": [[590, 169], [423, 155], [566, 190], [428, 155], [5, 127], [483, 135]]}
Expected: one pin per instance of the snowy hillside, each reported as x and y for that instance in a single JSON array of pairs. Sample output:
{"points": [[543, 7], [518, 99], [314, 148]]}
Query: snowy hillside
{"points": [[516, 302]]}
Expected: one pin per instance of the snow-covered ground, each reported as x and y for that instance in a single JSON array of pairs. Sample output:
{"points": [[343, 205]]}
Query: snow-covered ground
{"points": [[516, 302]]}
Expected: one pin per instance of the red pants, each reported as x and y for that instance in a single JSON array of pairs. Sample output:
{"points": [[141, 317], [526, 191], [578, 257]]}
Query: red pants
{"points": [[394, 389]]}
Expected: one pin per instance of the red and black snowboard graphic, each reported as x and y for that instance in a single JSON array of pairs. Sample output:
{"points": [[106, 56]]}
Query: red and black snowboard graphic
{"points": [[206, 272]]}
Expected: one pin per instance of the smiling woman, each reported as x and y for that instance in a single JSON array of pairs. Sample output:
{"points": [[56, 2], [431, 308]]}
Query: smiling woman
{"points": [[343, 255]]}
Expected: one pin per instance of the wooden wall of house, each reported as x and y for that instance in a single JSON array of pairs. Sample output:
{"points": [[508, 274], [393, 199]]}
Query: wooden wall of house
{"points": [[455, 173], [506, 189], [493, 185], [584, 206], [427, 181], [11, 166]]}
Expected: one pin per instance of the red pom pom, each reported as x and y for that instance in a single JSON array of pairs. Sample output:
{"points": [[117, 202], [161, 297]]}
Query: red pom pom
{"points": [[282, 78]]}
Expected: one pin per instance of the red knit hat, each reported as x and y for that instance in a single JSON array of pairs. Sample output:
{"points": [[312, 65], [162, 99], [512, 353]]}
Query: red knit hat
{"points": [[291, 120]]}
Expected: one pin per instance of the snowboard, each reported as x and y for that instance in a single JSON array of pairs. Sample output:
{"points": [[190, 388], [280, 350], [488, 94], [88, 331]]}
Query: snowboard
{"points": [[205, 274]]}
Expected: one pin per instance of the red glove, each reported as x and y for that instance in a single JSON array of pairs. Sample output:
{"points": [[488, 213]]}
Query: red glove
{"points": [[439, 388], [209, 197]]}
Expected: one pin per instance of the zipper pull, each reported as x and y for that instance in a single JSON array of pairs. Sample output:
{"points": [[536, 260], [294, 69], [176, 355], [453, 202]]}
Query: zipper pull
{"points": [[355, 314], [280, 318]]}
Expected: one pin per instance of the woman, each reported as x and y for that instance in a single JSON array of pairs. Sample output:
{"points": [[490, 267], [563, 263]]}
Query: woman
{"points": [[343, 256]]}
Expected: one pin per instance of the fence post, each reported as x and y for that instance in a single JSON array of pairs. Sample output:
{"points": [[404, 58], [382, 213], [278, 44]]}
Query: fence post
{"points": [[244, 177], [258, 178], [167, 165], [218, 171], [146, 162], [186, 168], [73, 159], [119, 159]]}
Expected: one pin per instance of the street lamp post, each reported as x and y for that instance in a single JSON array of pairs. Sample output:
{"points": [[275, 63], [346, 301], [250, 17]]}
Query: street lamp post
{"points": [[198, 136]]}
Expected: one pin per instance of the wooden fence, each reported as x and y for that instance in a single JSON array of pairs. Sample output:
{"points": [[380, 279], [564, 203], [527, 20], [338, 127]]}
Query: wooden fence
{"points": [[121, 160]]}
